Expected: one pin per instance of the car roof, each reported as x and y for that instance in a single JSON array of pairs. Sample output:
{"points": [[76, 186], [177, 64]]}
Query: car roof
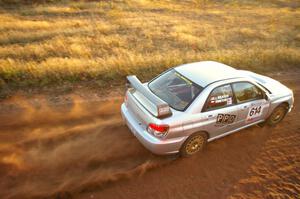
{"points": [[207, 72]]}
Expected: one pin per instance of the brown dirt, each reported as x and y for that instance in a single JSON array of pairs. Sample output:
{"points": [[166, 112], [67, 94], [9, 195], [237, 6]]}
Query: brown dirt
{"points": [[76, 146]]}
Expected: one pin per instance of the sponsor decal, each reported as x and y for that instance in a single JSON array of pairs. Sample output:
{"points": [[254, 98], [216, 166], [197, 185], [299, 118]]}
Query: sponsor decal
{"points": [[229, 101], [183, 78], [221, 99], [225, 119]]}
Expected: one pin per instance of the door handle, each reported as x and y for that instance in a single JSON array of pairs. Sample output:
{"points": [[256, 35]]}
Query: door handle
{"points": [[209, 116], [245, 106]]}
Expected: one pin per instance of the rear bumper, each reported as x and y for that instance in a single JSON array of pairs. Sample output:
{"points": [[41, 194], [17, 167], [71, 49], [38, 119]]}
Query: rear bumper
{"points": [[155, 145]]}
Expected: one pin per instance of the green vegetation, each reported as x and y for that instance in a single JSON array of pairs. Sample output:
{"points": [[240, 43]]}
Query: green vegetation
{"points": [[68, 41]]}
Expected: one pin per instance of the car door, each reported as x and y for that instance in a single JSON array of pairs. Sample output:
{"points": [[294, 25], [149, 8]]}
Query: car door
{"points": [[219, 111], [251, 103]]}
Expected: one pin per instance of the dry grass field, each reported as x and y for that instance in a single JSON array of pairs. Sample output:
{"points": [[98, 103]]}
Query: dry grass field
{"points": [[51, 42]]}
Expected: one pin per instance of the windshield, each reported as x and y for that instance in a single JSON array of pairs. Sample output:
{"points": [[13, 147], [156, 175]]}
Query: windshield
{"points": [[175, 89]]}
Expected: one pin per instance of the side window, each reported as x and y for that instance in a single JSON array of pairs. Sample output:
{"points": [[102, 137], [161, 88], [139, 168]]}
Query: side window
{"points": [[220, 97], [245, 91]]}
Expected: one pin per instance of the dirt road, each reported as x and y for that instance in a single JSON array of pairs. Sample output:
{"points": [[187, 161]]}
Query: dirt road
{"points": [[79, 148]]}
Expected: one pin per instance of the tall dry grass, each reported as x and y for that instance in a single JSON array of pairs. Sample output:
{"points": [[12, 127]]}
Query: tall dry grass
{"points": [[58, 41]]}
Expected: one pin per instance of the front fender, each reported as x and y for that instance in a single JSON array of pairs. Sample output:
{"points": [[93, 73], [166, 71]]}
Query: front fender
{"points": [[279, 100]]}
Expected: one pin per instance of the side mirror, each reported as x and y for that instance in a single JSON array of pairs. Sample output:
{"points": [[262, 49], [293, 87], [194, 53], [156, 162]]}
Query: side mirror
{"points": [[266, 96]]}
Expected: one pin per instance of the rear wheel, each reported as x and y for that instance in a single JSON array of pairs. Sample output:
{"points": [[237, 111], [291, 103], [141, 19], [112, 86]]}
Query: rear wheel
{"points": [[277, 115], [193, 144]]}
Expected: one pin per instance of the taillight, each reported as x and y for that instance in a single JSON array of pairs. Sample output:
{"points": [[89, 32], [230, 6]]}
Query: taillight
{"points": [[158, 130]]}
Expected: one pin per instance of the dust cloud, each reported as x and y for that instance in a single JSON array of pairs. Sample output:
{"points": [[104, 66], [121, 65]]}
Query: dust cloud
{"points": [[58, 150]]}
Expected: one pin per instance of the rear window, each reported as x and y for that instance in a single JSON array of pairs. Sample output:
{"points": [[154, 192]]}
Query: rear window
{"points": [[175, 89]]}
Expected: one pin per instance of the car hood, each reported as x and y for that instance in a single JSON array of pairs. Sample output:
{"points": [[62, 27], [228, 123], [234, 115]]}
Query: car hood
{"points": [[272, 85]]}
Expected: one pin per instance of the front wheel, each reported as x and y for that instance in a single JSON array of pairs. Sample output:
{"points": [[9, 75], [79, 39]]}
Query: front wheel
{"points": [[277, 115], [193, 144]]}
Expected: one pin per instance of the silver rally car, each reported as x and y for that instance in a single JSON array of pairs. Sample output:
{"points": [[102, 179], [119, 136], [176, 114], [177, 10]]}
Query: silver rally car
{"points": [[189, 105]]}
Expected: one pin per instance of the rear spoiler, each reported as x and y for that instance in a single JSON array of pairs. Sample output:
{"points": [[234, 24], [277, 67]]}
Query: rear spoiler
{"points": [[161, 109]]}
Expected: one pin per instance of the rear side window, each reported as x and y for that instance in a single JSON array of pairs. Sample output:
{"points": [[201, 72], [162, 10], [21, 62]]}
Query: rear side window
{"points": [[245, 91], [220, 97]]}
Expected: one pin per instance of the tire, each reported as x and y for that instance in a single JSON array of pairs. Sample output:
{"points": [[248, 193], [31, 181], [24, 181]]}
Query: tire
{"points": [[277, 115], [195, 143]]}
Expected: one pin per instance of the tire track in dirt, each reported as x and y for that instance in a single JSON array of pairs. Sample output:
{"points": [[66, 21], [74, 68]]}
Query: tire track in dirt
{"points": [[46, 152], [276, 172]]}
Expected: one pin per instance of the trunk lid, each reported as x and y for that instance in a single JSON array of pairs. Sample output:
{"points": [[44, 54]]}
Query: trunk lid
{"points": [[139, 96]]}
